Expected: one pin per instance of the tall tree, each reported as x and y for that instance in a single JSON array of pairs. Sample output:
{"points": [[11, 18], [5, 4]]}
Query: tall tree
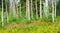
{"points": [[6, 3], [55, 8], [20, 8], [46, 11], [27, 10], [31, 9], [13, 5], [15, 8], [40, 8], [52, 10], [36, 9], [2, 15]]}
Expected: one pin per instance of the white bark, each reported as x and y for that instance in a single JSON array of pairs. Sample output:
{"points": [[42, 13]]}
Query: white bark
{"points": [[40, 8], [52, 11], [46, 8], [16, 8], [36, 10], [46, 2], [6, 10], [27, 10], [31, 10], [14, 11], [55, 8], [2, 15], [20, 8]]}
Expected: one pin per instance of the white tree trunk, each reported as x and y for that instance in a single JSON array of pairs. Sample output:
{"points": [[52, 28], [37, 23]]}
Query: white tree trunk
{"points": [[36, 10], [20, 8], [31, 10], [14, 11], [40, 8], [52, 11], [27, 10], [16, 8], [6, 10], [46, 8], [55, 8], [2, 15]]}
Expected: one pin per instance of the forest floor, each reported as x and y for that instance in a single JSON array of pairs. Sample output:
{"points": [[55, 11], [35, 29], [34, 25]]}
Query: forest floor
{"points": [[33, 27], [36, 23]]}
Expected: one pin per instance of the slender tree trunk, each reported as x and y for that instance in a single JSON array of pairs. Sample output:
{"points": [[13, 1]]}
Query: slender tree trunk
{"points": [[2, 15], [31, 9], [16, 8], [40, 8], [55, 8], [7, 13], [14, 11], [52, 11], [20, 8], [6, 1], [46, 8], [27, 10], [36, 10]]}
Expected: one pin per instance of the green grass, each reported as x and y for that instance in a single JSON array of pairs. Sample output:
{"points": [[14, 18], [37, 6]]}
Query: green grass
{"points": [[33, 29]]}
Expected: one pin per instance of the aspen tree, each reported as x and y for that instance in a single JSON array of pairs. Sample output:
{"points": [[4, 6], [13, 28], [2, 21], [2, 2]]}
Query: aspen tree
{"points": [[46, 8], [55, 8], [16, 7], [2, 15], [14, 11], [27, 10], [20, 8], [40, 8], [52, 10], [6, 1], [31, 9], [36, 9]]}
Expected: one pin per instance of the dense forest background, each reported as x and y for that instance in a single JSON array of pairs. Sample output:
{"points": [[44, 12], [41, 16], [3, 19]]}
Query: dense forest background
{"points": [[30, 16], [14, 10], [58, 8]]}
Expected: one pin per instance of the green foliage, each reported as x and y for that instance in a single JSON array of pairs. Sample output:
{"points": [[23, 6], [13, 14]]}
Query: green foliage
{"points": [[50, 18], [58, 8], [34, 29], [12, 19], [57, 18]]}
